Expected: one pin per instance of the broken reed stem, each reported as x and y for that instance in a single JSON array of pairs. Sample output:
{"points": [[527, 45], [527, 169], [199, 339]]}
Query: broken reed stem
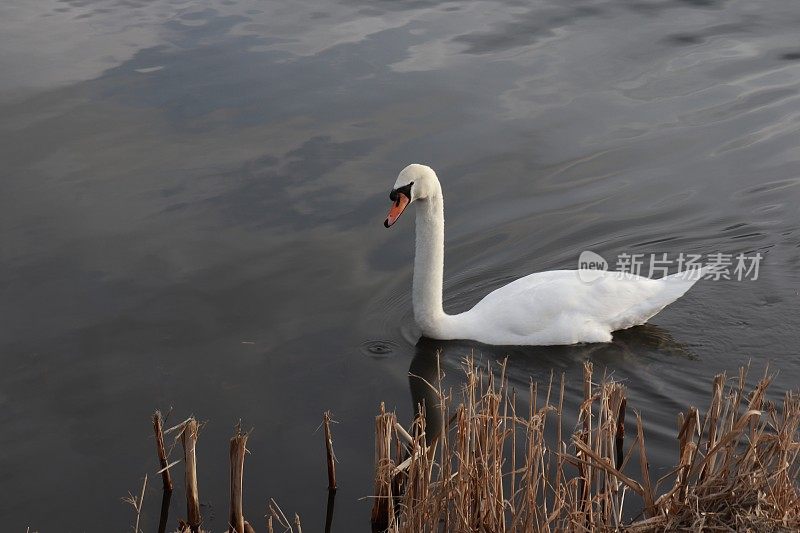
{"points": [[585, 482], [712, 417], [326, 423], [188, 433], [687, 449], [164, 514], [383, 508], [619, 439], [644, 465], [329, 507], [158, 428], [237, 452], [277, 513], [189, 441]]}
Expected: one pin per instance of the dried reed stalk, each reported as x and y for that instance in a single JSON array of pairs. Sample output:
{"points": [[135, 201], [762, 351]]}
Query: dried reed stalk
{"points": [[585, 469], [276, 513], [238, 449], [619, 441], [644, 465], [383, 508], [136, 503], [158, 429], [326, 424], [189, 440]]}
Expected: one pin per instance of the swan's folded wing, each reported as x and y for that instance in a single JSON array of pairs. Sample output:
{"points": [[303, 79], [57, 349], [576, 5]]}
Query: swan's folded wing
{"points": [[559, 305]]}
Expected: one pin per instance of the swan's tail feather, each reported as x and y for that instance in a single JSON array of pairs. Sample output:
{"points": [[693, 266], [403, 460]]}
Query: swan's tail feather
{"points": [[673, 287], [677, 285], [690, 276]]}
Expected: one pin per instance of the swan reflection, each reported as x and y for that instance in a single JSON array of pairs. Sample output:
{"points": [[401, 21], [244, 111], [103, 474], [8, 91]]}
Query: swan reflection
{"points": [[629, 348]]}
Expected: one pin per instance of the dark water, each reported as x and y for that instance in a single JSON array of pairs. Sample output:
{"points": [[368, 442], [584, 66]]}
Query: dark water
{"points": [[192, 204]]}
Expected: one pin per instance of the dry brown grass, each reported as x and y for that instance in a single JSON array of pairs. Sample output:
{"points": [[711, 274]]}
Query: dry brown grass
{"points": [[494, 470]]}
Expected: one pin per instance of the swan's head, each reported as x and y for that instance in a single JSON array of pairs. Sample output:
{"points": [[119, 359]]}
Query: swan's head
{"points": [[415, 182]]}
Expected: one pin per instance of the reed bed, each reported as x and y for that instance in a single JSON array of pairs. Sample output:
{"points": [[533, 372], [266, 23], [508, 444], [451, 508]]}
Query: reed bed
{"points": [[493, 469]]}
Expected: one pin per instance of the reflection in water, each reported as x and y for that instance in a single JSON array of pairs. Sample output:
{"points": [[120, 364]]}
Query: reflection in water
{"points": [[329, 507], [423, 380], [628, 349], [194, 194], [164, 515]]}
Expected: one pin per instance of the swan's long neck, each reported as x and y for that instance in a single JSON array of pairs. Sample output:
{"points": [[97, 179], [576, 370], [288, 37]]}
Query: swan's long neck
{"points": [[429, 266]]}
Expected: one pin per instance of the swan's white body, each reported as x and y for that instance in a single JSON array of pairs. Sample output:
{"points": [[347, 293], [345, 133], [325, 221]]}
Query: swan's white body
{"points": [[546, 308]]}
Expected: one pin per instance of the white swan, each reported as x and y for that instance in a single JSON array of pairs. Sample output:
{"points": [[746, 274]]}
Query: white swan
{"points": [[546, 308]]}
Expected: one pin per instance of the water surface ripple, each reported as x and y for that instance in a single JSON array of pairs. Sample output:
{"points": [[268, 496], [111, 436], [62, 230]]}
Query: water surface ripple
{"points": [[192, 204]]}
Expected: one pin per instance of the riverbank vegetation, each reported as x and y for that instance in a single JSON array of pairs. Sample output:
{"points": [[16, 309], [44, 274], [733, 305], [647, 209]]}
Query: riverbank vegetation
{"points": [[489, 467], [493, 469]]}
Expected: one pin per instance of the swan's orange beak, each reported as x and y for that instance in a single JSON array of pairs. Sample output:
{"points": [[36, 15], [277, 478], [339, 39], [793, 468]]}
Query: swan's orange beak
{"points": [[397, 209]]}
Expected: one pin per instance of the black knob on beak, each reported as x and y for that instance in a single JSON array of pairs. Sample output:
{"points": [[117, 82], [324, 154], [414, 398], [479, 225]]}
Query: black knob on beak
{"points": [[405, 189]]}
